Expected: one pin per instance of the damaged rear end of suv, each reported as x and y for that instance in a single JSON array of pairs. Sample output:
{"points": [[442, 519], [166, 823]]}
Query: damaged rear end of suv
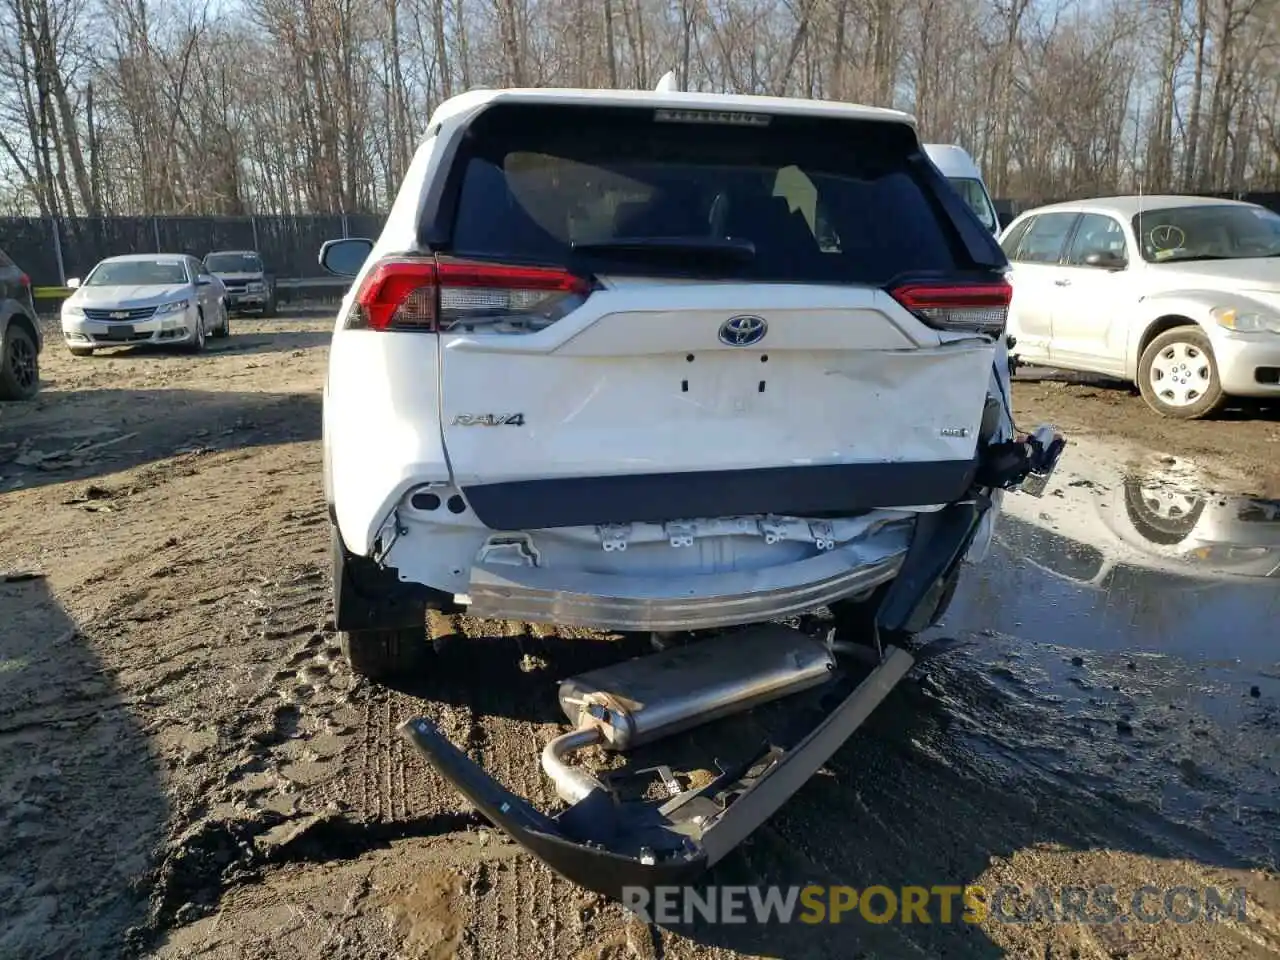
{"points": [[660, 362]]}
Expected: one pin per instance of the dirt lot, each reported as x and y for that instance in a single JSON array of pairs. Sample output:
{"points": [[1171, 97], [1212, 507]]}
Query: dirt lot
{"points": [[187, 767], [1244, 439]]}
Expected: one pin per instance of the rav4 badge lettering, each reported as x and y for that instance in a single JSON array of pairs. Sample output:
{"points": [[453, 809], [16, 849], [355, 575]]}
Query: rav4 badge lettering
{"points": [[489, 420]]}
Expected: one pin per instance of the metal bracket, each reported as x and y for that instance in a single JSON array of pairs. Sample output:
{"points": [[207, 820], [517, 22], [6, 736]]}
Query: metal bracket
{"points": [[680, 534], [823, 536], [390, 531], [1024, 464], [1046, 447], [614, 536], [669, 781], [515, 551], [773, 530]]}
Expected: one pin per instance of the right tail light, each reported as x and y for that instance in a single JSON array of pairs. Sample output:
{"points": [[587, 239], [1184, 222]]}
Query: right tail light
{"points": [[976, 307]]}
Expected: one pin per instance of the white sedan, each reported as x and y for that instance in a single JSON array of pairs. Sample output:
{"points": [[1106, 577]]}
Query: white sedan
{"points": [[1178, 294], [156, 298]]}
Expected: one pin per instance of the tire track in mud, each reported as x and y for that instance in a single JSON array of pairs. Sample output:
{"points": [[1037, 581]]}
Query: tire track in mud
{"points": [[493, 694]]}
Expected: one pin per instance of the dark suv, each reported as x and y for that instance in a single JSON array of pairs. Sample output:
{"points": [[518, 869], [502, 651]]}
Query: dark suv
{"points": [[20, 337], [249, 287]]}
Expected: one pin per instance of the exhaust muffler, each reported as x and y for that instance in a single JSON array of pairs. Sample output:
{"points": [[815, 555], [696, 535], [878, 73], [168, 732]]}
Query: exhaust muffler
{"points": [[629, 704]]}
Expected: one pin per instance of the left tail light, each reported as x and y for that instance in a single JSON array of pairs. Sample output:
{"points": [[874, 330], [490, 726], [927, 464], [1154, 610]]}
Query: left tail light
{"points": [[966, 307], [438, 295], [24, 281]]}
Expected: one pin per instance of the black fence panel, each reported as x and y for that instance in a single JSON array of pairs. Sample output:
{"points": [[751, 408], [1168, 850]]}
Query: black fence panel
{"points": [[290, 246], [199, 236], [365, 225], [29, 243], [86, 240]]}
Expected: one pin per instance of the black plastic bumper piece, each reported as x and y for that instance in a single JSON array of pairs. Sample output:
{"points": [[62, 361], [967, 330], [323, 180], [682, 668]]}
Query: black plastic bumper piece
{"points": [[932, 560], [811, 491], [605, 844]]}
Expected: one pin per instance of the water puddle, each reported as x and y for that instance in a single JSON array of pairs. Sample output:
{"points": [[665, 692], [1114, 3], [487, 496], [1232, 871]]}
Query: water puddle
{"points": [[1124, 627]]}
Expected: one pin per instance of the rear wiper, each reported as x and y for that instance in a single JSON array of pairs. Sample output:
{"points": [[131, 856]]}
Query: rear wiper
{"points": [[657, 247]]}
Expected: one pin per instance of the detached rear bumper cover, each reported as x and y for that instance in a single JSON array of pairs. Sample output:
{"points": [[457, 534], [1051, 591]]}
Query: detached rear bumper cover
{"points": [[605, 846]]}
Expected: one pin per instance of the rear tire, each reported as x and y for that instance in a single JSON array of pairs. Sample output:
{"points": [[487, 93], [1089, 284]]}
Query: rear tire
{"points": [[385, 654], [20, 365], [224, 329], [196, 344]]}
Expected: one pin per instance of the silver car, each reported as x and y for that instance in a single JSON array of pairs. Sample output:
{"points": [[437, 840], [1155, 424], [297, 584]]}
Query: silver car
{"points": [[145, 298]]}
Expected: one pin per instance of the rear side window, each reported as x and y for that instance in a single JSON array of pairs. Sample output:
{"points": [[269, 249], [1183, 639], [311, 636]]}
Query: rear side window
{"points": [[820, 200], [1045, 238], [1011, 239], [5, 262]]}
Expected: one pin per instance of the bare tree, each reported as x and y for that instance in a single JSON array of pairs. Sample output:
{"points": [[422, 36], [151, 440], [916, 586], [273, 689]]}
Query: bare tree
{"points": [[131, 106]]}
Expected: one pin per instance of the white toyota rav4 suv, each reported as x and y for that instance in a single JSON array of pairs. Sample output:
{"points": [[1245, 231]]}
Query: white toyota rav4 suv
{"points": [[658, 361]]}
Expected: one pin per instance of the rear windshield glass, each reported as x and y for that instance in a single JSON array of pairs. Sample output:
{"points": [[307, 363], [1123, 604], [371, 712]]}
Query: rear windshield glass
{"points": [[137, 272], [820, 200], [233, 263]]}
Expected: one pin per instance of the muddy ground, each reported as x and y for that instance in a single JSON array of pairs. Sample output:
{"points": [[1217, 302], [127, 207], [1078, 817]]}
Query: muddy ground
{"points": [[189, 769]]}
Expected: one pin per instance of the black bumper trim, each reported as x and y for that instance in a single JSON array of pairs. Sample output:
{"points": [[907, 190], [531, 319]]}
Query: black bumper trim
{"points": [[606, 846], [936, 551], [835, 489]]}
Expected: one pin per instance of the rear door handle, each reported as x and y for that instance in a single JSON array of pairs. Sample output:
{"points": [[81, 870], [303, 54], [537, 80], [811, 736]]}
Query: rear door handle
{"points": [[1062, 283]]}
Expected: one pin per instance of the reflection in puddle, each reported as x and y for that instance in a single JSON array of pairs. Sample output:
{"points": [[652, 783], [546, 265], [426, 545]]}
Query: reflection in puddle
{"points": [[1124, 630], [1126, 556]]}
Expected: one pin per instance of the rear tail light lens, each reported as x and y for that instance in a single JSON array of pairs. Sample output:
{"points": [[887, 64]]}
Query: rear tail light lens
{"points": [[24, 280], [436, 295], [970, 307]]}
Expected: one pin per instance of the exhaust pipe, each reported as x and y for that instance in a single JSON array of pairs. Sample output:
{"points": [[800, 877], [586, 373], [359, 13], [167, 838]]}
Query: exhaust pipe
{"points": [[629, 704], [572, 784]]}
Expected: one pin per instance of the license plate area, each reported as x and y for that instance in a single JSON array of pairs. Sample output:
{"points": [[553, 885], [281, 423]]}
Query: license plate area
{"points": [[119, 331]]}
